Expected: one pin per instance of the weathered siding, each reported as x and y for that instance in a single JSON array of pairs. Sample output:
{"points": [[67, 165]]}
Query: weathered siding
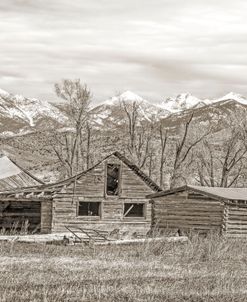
{"points": [[177, 211], [65, 214], [91, 184], [91, 187], [236, 220], [132, 186]]}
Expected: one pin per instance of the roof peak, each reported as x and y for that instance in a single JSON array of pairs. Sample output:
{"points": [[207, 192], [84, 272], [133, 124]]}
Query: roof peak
{"points": [[120, 156]]}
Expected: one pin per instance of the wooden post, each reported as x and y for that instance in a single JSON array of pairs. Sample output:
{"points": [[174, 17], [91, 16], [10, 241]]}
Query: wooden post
{"points": [[46, 217], [225, 219]]}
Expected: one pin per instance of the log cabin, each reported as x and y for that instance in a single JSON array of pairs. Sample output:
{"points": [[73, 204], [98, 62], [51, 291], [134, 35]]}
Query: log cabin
{"points": [[201, 209], [110, 195]]}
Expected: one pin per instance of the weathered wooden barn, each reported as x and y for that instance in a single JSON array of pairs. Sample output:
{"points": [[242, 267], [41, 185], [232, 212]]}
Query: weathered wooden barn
{"points": [[201, 209], [110, 195]]}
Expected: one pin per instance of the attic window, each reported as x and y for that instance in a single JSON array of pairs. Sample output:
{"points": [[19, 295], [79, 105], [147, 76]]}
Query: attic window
{"points": [[113, 175], [134, 210], [89, 209]]}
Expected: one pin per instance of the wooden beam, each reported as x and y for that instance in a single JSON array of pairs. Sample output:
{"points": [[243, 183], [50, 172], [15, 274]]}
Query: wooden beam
{"points": [[25, 199], [127, 212]]}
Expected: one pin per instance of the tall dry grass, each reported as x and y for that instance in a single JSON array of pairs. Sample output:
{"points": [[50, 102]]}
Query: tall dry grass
{"points": [[17, 228], [203, 269]]}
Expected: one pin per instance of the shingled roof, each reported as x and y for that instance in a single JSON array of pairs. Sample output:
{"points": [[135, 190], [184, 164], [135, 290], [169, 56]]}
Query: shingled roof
{"points": [[12, 176]]}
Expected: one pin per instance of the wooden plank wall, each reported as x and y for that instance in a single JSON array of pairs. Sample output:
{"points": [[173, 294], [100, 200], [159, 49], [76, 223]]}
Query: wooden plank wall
{"points": [[91, 187], [132, 186], [65, 214], [90, 184], [177, 211], [236, 220]]}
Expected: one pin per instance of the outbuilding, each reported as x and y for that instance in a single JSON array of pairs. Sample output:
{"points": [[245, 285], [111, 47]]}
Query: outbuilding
{"points": [[201, 209]]}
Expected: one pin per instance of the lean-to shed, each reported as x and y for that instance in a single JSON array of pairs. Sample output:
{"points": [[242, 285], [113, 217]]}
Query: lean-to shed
{"points": [[110, 195], [201, 209], [15, 213]]}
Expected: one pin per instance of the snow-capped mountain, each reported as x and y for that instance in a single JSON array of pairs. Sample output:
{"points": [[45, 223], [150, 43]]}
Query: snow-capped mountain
{"points": [[111, 112], [20, 114], [184, 101], [126, 96], [113, 109], [218, 114], [231, 96]]}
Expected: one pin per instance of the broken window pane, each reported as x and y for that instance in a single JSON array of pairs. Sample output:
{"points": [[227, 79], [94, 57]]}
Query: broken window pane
{"points": [[89, 209], [112, 186], [133, 210]]}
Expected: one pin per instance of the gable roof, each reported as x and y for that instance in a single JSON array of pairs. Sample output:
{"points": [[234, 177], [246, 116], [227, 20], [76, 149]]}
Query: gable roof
{"points": [[12, 176], [149, 182], [56, 186], [213, 192]]}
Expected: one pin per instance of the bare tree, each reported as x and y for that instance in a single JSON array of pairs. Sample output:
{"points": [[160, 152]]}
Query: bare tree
{"points": [[68, 147], [206, 165], [140, 133], [225, 166], [88, 127], [163, 136], [142, 146], [183, 147], [132, 113]]}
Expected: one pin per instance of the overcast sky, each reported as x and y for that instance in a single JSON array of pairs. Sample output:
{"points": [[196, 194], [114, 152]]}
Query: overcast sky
{"points": [[155, 48]]}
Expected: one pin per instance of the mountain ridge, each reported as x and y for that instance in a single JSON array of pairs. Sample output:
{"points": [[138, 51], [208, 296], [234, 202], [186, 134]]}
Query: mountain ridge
{"points": [[20, 115]]}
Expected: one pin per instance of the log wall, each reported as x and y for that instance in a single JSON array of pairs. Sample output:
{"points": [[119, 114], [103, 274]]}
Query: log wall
{"points": [[178, 211], [236, 220]]}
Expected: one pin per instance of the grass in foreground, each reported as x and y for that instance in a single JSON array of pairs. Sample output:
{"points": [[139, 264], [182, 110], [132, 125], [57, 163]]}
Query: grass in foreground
{"points": [[211, 269]]}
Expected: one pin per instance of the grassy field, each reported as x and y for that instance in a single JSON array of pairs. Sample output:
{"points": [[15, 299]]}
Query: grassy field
{"points": [[211, 269]]}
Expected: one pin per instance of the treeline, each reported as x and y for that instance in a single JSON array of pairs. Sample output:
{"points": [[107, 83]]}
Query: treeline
{"points": [[193, 152]]}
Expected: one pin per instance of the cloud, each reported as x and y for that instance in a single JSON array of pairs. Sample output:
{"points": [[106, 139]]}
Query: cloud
{"points": [[155, 48]]}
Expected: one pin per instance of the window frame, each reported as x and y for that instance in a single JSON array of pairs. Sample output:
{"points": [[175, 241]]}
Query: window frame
{"points": [[88, 216], [143, 217], [119, 179]]}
